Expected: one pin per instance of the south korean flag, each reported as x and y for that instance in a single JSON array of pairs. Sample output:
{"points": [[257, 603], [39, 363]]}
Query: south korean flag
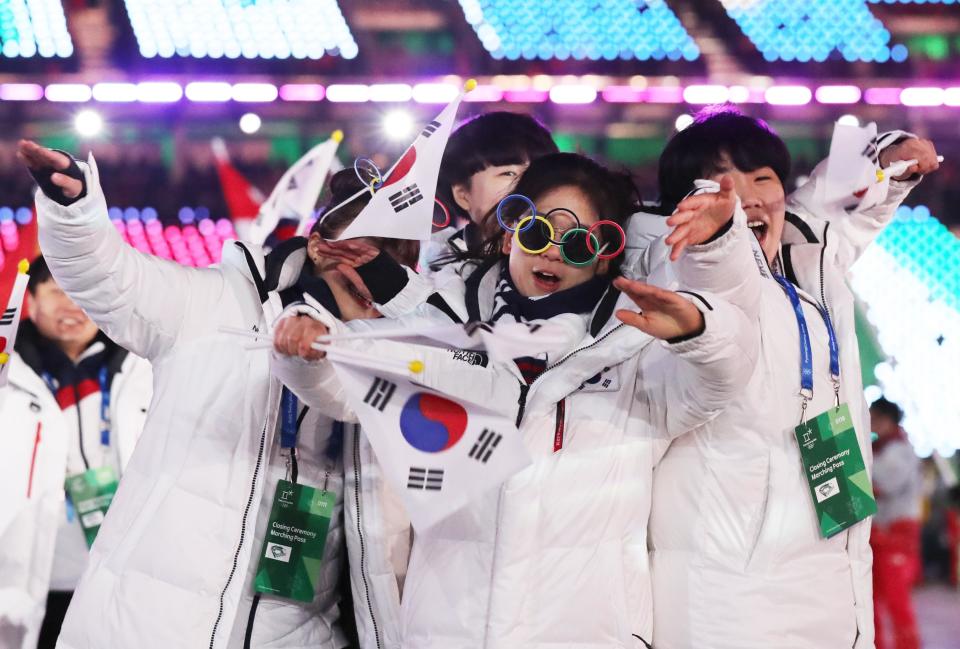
{"points": [[402, 207], [438, 452], [10, 319], [854, 179]]}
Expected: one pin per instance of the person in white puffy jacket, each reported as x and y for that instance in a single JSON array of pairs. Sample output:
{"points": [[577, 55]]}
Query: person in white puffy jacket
{"points": [[174, 563], [557, 555], [75, 400], [737, 555]]}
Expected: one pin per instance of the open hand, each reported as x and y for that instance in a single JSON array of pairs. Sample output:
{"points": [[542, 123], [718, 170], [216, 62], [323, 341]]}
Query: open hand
{"points": [[295, 336], [329, 254], [664, 314], [38, 158], [912, 148], [697, 218]]}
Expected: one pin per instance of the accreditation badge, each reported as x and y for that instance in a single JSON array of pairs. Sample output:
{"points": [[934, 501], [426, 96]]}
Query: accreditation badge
{"points": [[91, 493], [294, 543], [835, 471]]}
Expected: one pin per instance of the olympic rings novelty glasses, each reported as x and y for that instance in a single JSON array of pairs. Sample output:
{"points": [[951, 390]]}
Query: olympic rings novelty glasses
{"points": [[579, 246]]}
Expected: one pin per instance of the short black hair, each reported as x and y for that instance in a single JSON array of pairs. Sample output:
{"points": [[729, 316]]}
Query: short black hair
{"points": [[885, 408], [717, 132], [490, 140], [39, 273]]}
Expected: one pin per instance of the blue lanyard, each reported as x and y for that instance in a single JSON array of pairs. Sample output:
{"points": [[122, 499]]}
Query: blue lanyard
{"points": [[104, 379], [288, 419], [806, 353]]}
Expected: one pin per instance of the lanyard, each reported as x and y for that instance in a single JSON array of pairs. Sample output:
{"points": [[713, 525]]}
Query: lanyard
{"points": [[104, 380], [806, 353], [288, 419]]}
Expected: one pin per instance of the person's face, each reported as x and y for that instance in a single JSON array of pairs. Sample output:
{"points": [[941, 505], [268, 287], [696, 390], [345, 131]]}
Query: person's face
{"points": [[546, 273], [882, 425], [484, 189], [58, 318], [762, 196]]}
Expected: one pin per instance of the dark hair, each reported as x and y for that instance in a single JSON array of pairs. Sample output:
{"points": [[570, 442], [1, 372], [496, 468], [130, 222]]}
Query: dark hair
{"points": [[490, 140], [613, 195], [885, 408], [39, 273], [343, 185], [698, 151]]}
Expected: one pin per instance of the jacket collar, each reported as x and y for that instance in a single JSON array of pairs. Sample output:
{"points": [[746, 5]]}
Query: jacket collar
{"points": [[276, 271]]}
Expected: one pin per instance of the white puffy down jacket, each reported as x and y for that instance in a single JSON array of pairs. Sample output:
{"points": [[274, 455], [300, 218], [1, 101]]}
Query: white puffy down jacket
{"points": [[174, 562]]}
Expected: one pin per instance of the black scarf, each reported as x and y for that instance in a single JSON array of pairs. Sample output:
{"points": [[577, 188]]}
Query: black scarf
{"points": [[582, 298]]}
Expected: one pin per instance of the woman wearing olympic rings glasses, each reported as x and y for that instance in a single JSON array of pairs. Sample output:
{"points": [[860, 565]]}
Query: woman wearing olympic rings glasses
{"points": [[556, 555]]}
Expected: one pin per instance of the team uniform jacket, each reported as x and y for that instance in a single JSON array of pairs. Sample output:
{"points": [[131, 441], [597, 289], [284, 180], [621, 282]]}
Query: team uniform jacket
{"points": [[44, 440], [174, 563], [738, 560], [557, 555]]}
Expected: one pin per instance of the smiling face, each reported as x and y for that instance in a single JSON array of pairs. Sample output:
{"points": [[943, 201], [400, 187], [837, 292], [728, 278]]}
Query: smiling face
{"points": [[481, 193], [762, 196], [58, 318], [546, 273]]}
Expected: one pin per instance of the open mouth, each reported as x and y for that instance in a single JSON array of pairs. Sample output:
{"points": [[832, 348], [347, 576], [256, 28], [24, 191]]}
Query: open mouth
{"points": [[759, 229], [546, 281]]}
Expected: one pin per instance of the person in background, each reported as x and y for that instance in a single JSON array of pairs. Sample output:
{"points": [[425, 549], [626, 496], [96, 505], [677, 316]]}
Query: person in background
{"points": [[895, 537], [75, 401]]}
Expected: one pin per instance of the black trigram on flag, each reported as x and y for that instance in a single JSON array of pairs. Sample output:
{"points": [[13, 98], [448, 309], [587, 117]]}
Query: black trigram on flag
{"points": [[430, 129], [871, 151], [485, 444], [405, 197], [7, 317], [379, 394], [420, 478]]}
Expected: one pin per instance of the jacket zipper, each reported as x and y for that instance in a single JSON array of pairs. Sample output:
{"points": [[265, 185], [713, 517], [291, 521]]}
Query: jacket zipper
{"points": [[243, 528], [76, 402], [363, 547]]}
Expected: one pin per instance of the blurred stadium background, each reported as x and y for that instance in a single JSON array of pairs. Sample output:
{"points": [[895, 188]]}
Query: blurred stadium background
{"points": [[146, 84]]}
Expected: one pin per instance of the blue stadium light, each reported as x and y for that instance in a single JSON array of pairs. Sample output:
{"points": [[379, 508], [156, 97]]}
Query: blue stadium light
{"points": [[565, 29], [786, 30], [31, 28], [250, 29]]}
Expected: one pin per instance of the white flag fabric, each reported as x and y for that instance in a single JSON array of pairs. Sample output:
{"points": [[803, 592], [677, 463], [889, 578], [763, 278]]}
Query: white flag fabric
{"points": [[402, 208], [854, 178], [437, 452], [10, 321], [297, 191]]}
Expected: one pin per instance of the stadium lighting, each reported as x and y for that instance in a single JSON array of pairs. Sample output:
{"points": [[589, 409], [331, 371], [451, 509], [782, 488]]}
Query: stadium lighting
{"points": [[88, 123], [398, 125], [683, 121], [250, 123]]}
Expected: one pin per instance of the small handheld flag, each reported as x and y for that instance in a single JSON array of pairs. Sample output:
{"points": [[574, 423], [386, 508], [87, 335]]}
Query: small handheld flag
{"points": [[10, 319], [297, 191], [243, 199], [402, 205]]}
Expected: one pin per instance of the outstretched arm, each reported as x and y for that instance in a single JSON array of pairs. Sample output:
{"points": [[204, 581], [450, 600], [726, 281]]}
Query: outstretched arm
{"points": [[140, 301]]}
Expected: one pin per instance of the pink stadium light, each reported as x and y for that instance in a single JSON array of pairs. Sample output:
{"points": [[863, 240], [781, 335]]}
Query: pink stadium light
{"points": [[665, 94], [225, 229], [301, 92], [788, 95], [921, 96], [348, 92], [951, 96], [484, 93], [529, 96], [706, 94], [434, 93], [254, 92], [623, 95], [882, 96], [206, 227], [159, 92], [68, 92], [209, 91], [21, 92], [838, 94], [391, 92], [114, 92], [573, 94]]}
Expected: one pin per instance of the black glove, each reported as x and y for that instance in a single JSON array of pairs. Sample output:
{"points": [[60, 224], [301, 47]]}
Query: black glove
{"points": [[52, 191]]}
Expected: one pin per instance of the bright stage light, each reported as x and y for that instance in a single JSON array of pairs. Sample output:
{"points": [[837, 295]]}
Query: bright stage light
{"points": [[849, 120], [398, 125], [250, 123], [683, 121], [88, 123]]}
